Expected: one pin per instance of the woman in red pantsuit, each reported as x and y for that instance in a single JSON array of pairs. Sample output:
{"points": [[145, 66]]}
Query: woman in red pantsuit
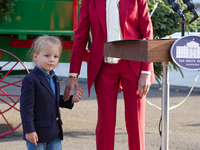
{"points": [[136, 77]]}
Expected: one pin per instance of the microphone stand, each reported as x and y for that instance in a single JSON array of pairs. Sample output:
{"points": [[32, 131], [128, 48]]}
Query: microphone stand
{"points": [[176, 7], [165, 83], [182, 28], [192, 8], [165, 88]]}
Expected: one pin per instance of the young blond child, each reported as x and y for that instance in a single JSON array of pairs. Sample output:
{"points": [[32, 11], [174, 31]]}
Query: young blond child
{"points": [[40, 97]]}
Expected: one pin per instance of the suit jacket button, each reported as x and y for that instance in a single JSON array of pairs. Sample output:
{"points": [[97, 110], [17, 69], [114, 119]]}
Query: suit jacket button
{"points": [[57, 119]]}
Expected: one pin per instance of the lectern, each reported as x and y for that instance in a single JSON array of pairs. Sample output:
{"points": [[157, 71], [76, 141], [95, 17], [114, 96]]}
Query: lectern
{"points": [[148, 51]]}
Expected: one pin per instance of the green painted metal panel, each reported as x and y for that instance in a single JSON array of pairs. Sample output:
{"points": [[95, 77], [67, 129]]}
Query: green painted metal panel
{"points": [[37, 17], [40, 15], [21, 53], [50, 0], [22, 36], [36, 32]]}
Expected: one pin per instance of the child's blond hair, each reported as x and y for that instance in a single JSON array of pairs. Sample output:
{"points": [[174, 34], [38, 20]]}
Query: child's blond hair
{"points": [[42, 42]]}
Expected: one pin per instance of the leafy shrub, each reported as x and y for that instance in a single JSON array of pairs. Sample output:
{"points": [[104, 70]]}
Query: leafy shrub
{"points": [[6, 8], [166, 22]]}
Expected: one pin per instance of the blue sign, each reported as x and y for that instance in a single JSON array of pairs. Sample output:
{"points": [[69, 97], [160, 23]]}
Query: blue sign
{"points": [[185, 52]]}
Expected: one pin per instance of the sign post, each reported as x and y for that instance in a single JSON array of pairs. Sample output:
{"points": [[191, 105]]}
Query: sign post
{"points": [[165, 107]]}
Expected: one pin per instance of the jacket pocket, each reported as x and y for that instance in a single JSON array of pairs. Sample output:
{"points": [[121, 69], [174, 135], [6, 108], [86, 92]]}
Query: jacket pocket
{"points": [[42, 123]]}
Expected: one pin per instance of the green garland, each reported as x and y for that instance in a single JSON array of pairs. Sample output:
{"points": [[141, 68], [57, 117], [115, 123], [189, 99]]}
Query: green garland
{"points": [[6, 8]]}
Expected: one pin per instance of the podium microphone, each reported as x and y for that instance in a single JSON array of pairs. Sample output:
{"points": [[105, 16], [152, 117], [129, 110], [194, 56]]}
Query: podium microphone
{"points": [[192, 8], [177, 8]]}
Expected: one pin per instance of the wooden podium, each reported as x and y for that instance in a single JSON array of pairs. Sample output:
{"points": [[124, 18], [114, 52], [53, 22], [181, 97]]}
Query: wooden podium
{"points": [[140, 50], [148, 51]]}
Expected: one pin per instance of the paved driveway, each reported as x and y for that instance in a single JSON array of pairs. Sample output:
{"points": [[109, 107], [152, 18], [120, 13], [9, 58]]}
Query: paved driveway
{"points": [[79, 123]]}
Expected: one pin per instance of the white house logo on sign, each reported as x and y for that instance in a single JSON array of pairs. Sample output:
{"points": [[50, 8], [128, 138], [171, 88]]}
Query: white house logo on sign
{"points": [[185, 52]]}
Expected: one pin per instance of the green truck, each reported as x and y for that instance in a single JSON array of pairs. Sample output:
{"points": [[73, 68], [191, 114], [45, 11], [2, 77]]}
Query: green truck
{"points": [[31, 18]]}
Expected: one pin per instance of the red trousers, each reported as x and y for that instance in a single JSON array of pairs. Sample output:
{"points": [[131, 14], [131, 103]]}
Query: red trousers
{"points": [[106, 86]]}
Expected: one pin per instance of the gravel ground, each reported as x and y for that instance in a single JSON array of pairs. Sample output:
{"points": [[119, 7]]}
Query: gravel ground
{"points": [[79, 123]]}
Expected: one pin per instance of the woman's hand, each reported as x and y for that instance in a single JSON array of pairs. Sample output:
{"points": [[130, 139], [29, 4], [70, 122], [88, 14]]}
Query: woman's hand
{"points": [[71, 83], [143, 84]]}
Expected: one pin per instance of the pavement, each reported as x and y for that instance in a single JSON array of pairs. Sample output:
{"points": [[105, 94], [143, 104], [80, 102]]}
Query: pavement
{"points": [[80, 122], [176, 81]]}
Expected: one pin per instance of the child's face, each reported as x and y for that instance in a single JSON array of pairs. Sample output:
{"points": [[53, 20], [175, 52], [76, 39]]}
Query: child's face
{"points": [[48, 58]]}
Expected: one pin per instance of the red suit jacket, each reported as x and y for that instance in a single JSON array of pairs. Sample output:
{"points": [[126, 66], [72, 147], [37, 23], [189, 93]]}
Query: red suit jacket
{"points": [[135, 24]]}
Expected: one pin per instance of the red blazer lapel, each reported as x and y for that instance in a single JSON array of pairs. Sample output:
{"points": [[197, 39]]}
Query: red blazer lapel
{"points": [[101, 9], [123, 8]]}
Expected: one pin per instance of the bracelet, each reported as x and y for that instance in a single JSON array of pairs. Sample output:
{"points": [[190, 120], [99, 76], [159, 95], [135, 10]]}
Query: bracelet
{"points": [[146, 72], [73, 75]]}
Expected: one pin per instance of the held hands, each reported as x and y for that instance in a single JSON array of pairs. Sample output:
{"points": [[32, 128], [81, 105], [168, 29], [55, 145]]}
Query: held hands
{"points": [[32, 137], [77, 96], [143, 84], [71, 83]]}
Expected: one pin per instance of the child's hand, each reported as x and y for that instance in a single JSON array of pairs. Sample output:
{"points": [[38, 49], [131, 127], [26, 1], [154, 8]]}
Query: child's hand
{"points": [[77, 96], [32, 137]]}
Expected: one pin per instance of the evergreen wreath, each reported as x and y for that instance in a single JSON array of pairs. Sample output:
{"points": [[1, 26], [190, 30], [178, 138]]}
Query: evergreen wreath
{"points": [[6, 8]]}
